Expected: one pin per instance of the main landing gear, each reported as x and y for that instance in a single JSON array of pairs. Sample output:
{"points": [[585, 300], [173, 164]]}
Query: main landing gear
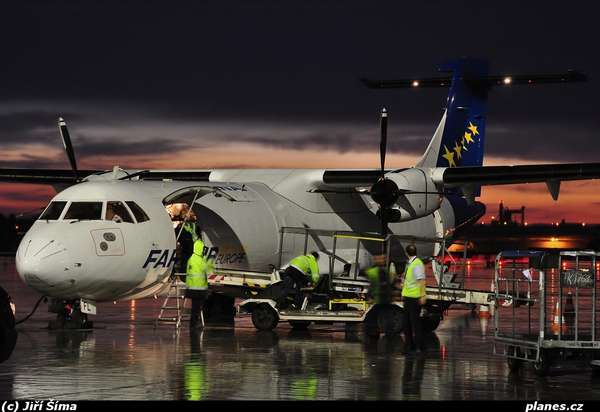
{"points": [[68, 315]]}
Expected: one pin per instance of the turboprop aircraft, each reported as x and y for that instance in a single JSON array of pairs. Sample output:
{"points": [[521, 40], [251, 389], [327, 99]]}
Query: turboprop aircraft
{"points": [[78, 252]]}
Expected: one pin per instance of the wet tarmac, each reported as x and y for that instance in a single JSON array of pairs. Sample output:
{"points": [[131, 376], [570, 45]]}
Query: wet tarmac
{"points": [[126, 357]]}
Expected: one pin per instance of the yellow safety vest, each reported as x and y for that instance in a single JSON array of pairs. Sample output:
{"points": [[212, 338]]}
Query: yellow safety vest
{"points": [[411, 288], [308, 265], [197, 268], [380, 286]]}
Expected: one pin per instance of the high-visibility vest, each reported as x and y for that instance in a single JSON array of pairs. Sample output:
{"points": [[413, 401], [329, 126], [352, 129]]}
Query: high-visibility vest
{"points": [[411, 288], [307, 264], [197, 268], [381, 287]]}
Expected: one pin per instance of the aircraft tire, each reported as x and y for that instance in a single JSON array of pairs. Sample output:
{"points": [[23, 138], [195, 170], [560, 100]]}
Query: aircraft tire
{"points": [[8, 334], [431, 321], [264, 317], [391, 320]]}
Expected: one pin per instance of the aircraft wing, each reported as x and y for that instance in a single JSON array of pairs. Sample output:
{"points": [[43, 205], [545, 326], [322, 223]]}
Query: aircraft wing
{"points": [[551, 174], [42, 176], [67, 176]]}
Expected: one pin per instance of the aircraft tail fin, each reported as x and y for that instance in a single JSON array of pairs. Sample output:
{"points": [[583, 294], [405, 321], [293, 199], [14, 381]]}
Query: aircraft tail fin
{"points": [[460, 137]]}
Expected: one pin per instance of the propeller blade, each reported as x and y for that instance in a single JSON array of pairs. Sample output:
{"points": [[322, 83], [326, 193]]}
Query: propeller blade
{"points": [[66, 138], [383, 141]]}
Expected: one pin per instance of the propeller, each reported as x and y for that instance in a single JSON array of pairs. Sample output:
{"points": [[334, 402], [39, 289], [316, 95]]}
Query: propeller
{"points": [[383, 142], [384, 192], [66, 138]]}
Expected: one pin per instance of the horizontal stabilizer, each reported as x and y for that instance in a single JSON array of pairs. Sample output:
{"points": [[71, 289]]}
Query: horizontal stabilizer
{"points": [[570, 76]]}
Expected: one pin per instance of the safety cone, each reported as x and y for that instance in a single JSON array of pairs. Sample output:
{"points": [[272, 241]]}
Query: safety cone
{"points": [[484, 311], [556, 321]]}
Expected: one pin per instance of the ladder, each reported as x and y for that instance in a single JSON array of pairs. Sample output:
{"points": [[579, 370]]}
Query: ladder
{"points": [[173, 308]]}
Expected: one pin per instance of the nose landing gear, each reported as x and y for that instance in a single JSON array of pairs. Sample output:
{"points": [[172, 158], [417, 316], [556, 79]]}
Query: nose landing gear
{"points": [[68, 315]]}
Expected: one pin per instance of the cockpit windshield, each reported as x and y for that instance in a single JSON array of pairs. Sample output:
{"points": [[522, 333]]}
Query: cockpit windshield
{"points": [[84, 211], [53, 211], [117, 212]]}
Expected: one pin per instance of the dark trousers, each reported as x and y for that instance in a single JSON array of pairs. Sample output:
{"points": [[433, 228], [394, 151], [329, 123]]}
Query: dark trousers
{"points": [[413, 324], [293, 281], [198, 298]]}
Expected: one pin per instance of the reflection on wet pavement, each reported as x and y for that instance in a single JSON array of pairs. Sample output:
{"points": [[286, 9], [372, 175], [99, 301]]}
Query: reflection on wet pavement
{"points": [[126, 357]]}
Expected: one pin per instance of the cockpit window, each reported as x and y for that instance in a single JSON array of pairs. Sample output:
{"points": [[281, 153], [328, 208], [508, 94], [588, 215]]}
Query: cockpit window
{"points": [[84, 211], [53, 211], [117, 212], [138, 212]]}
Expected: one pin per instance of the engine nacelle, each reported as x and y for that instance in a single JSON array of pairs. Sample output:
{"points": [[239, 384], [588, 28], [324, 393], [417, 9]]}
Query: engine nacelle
{"points": [[418, 195]]}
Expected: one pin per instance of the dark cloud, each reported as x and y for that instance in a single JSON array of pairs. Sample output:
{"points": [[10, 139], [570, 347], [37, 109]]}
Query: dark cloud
{"points": [[25, 196], [292, 67], [115, 146], [33, 161], [572, 142]]}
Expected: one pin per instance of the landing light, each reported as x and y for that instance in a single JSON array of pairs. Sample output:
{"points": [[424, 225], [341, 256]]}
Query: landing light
{"points": [[415, 83], [507, 80]]}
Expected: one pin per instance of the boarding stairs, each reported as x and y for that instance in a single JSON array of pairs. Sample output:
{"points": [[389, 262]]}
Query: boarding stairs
{"points": [[173, 309]]}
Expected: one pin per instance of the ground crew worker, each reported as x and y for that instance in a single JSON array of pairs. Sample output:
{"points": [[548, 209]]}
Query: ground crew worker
{"points": [[380, 281], [301, 270], [196, 280], [380, 288], [414, 296]]}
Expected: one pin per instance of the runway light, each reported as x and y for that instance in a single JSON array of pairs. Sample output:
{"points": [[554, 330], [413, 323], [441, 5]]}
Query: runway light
{"points": [[507, 80], [415, 83]]}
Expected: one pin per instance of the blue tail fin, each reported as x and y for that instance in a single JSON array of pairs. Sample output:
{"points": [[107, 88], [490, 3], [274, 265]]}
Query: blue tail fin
{"points": [[460, 136]]}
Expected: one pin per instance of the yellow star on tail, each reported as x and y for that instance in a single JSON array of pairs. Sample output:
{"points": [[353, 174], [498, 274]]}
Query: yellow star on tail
{"points": [[449, 156], [473, 129], [457, 149], [469, 137]]}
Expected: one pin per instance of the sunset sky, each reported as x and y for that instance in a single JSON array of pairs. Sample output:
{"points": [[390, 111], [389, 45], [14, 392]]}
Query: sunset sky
{"points": [[259, 85]]}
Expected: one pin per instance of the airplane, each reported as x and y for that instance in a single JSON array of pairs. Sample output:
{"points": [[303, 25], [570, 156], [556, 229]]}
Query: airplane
{"points": [[77, 254]]}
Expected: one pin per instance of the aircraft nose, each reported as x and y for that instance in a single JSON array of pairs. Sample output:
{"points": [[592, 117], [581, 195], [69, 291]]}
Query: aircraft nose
{"points": [[44, 263]]}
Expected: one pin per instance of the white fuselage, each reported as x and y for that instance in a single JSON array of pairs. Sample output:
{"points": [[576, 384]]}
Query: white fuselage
{"points": [[241, 221]]}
